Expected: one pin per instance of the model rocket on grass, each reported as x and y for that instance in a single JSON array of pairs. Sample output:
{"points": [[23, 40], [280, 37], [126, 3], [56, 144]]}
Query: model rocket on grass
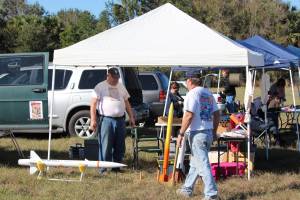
{"points": [[38, 164]]}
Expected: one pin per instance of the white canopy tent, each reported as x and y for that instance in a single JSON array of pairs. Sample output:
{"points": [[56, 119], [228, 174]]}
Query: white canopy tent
{"points": [[165, 36]]}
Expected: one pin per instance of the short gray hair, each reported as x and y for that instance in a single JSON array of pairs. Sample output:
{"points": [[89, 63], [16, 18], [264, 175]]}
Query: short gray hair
{"points": [[196, 81]]}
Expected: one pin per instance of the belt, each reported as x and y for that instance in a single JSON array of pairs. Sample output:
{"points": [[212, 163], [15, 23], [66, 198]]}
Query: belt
{"points": [[200, 131], [122, 117]]}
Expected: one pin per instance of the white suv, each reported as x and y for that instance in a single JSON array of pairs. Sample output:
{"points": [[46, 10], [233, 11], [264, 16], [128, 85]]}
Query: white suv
{"points": [[73, 88]]}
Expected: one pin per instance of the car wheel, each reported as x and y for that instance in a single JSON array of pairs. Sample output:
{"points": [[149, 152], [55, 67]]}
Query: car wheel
{"points": [[79, 125]]}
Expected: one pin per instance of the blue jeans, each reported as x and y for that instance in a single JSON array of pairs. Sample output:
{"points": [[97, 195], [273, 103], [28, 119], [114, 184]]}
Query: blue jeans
{"points": [[200, 142], [111, 138], [230, 104]]}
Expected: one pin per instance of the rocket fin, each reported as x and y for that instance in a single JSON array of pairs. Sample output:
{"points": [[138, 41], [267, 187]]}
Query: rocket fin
{"points": [[32, 169], [33, 158]]}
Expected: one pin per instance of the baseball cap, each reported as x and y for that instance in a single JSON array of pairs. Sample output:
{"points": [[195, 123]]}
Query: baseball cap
{"points": [[192, 74], [114, 72]]}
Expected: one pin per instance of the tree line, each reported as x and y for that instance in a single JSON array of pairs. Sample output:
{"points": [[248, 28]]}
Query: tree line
{"points": [[30, 28]]}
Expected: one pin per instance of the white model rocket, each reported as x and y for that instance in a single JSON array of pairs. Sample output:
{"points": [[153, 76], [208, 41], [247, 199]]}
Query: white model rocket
{"points": [[181, 154], [38, 164]]}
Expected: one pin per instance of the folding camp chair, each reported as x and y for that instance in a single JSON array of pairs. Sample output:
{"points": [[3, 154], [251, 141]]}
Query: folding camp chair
{"points": [[146, 141]]}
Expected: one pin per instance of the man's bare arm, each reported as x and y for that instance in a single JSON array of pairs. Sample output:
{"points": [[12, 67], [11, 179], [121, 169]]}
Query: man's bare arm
{"points": [[129, 112], [216, 120], [186, 121], [93, 111]]}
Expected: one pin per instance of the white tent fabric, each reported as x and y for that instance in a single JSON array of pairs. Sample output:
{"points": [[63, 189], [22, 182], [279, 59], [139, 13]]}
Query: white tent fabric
{"points": [[248, 95], [165, 36]]}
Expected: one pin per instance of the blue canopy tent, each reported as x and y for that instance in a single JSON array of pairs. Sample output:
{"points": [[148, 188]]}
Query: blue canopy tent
{"points": [[275, 56], [294, 50], [270, 59], [284, 56]]}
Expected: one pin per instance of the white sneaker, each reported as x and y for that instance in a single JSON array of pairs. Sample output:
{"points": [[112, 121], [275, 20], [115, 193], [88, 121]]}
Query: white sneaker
{"points": [[215, 197], [183, 193]]}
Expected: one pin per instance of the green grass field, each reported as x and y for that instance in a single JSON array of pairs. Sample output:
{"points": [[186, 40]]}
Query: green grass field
{"points": [[277, 178]]}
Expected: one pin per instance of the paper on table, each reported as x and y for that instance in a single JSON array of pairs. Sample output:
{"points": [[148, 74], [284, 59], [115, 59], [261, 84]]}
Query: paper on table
{"points": [[235, 133]]}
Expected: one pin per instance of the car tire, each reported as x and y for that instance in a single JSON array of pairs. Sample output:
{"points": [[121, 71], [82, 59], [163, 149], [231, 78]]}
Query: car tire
{"points": [[79, 125]]}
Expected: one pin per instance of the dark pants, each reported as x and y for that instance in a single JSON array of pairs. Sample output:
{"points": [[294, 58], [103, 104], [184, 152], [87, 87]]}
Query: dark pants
{"points": [[111, 139]]}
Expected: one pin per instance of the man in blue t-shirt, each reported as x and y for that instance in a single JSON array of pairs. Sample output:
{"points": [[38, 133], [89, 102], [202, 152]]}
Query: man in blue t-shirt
{"points": [[199, 123]]}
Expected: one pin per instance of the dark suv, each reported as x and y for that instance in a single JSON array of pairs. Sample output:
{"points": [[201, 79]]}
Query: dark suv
{"points": [[26, 92], [155, 86]]}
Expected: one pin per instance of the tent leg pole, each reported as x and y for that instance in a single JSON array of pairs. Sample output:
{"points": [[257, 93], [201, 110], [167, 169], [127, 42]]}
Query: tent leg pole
{"points": [[248, 76], [51, 112], [294, 102], [254, 79], [298, 92], [267, 141], [219, 80], [167, 99]]}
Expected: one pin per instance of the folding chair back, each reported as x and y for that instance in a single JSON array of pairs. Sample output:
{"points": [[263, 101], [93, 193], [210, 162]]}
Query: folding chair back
{"points": [[146, 141]]}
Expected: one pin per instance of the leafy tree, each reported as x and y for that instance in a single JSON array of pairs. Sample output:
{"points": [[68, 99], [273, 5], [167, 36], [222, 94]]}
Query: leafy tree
{"points": [[241, 19], [25, 27], [2, 33], [35, 9], [104, 22], [27, 34], [76, 26], [148, 5], [13, 8], [294, 27], [52, 28]]}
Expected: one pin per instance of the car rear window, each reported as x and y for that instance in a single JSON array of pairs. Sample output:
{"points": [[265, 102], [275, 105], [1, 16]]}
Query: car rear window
{"points": [[133, 86], [148, 82], [90, 78], [21, 70], [62, 78]]}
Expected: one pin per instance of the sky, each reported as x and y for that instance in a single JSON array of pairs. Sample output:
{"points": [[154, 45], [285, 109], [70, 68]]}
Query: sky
{"points": [[94, 6], [53, 6]]}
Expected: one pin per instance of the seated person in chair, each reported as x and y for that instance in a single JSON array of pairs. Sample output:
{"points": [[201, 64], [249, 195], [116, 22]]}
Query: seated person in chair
{"points": [[176, 99], [258, 125], [278, 90]]}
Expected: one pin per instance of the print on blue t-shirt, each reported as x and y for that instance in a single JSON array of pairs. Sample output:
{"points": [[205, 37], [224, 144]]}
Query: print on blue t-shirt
{"points": [[206, 107]]}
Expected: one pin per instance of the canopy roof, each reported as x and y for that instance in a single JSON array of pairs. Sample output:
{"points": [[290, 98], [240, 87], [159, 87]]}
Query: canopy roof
{"points": [[275, 54], [294, 50], [165, 36], [270, 59]]}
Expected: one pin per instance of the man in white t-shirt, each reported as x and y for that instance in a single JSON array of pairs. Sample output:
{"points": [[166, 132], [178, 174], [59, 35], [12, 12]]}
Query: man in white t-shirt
{"points": [[110, 99], [199, 123]]}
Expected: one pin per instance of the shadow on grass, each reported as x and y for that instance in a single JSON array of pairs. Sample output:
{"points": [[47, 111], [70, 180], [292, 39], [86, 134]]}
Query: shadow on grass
{"points": [[260, 194], [281, 160], [9, 158], [40, 135]]}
